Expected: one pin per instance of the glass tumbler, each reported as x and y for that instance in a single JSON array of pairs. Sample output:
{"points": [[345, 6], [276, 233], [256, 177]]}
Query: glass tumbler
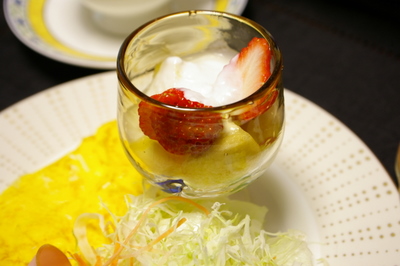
{"points": [[230, 145]]}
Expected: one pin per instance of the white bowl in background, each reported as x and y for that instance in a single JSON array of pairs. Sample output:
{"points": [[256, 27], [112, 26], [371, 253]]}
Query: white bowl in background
{"points": [[123, 16]]}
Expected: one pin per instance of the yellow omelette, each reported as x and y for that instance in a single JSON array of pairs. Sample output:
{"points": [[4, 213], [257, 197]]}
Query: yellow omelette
{"points": [[41, 207]]}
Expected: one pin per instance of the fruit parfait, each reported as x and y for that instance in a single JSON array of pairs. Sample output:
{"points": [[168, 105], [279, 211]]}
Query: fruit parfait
{"points": [[200, 105]]}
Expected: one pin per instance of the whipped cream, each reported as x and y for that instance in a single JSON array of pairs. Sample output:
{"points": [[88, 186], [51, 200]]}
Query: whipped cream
{"points": [[201, 78]]}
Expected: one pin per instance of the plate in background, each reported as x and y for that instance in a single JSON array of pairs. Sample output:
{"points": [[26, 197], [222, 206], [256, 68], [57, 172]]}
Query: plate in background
{"points": [[62, 30]]}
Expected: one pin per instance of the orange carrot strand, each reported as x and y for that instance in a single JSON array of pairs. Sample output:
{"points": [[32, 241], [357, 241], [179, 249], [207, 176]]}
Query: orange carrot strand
{"points": [[202, 208], [165, 234], [98, 261], [78, 259]]}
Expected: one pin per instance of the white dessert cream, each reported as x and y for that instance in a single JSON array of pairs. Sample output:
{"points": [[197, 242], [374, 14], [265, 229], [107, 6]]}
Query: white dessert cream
{"points": [[199, 78]]}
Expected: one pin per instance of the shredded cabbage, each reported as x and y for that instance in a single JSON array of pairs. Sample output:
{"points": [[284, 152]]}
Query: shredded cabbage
{"points": [[177, 231]]}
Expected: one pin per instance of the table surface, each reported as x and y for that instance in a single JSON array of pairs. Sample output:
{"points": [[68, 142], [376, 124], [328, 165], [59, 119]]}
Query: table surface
{"points": [[342, 55]]}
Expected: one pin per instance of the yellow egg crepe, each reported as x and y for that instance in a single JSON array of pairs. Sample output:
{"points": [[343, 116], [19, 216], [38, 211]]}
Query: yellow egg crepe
{"points": [[42, 207]]}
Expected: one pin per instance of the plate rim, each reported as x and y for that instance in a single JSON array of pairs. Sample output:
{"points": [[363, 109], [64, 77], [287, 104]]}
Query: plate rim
{"points": [[48, 50], [52, 52]]}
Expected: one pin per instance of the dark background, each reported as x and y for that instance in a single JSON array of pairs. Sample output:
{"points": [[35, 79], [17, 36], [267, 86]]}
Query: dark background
{"points": [[342, 55]]}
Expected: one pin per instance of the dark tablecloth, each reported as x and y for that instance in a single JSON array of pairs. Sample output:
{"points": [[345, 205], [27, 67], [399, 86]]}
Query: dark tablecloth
{"points": [[342, 55]]}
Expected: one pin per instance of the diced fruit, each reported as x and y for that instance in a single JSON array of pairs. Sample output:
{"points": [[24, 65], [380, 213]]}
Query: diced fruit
{"points": [[179, 132], [229, 158]]}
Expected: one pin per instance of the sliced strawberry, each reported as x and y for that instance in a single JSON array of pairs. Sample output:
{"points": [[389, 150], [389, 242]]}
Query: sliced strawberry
{"points": [[253, 64], [179, 132]]}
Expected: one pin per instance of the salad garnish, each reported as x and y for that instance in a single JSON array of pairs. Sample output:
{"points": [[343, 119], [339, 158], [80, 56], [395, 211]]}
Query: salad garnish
{"points": [[181, 231]]}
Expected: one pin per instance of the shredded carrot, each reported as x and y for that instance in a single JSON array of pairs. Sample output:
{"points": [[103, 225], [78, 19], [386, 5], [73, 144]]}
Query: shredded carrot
{"points": [[191, 202], [117, 245], [78, 259], [114, 258], [161, 237], [164, 235], [98, 261]]}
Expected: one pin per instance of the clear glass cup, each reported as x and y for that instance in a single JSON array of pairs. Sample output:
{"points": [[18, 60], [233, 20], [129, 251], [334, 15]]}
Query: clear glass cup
{"points": [[242, 150]]}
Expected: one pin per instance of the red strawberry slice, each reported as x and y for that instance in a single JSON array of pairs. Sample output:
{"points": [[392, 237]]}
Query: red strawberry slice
{"points": [[179, 132], [253, 65]]}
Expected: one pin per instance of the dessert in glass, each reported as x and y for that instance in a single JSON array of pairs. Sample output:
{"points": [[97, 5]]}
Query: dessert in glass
{"points": [[200, 104]]}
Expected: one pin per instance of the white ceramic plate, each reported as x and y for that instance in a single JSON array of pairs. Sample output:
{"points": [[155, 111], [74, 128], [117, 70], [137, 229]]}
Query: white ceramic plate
{"points": [[62, 30], [324, 181]]}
